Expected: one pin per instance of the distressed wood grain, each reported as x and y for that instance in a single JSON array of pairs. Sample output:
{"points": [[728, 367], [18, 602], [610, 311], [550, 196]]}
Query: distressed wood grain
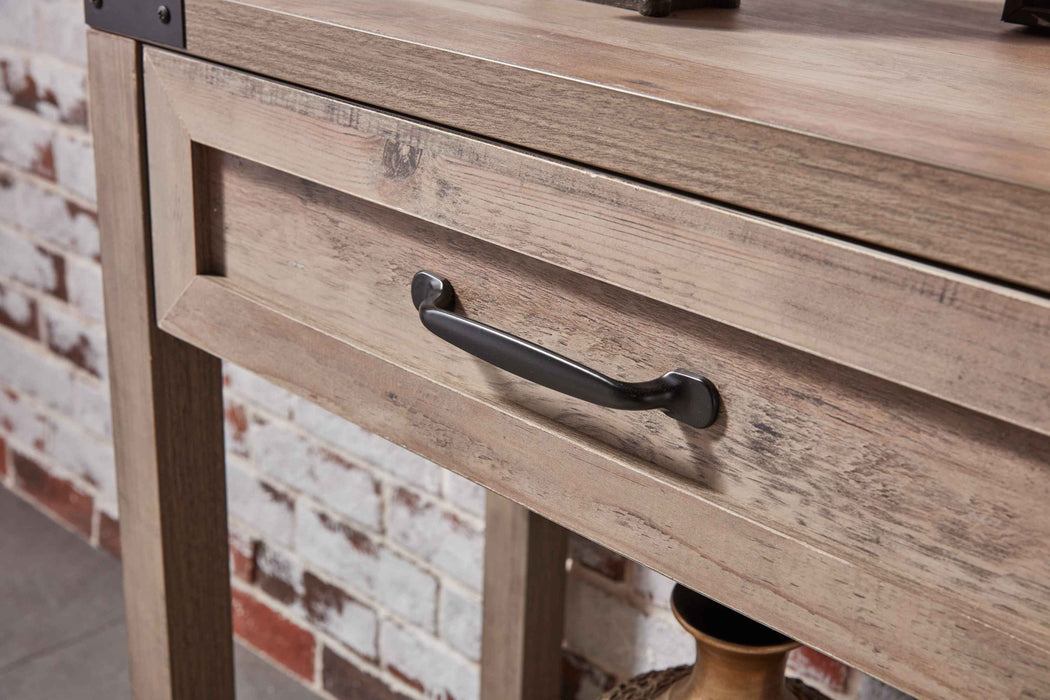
{"points": [[524, 603], [917, 129], [859, 467], [167, 423], [977, 344], [904, 633], [897, 531]]}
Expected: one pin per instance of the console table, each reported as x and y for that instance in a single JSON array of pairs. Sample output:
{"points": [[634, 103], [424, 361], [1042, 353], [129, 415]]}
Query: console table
{"points": [[759, 298]]}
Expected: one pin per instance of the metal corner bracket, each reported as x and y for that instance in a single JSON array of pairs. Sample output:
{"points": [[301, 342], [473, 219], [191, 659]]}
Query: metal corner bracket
{"points": [[153, 21]]}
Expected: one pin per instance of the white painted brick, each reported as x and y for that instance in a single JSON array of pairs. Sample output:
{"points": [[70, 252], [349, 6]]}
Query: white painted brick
{"points": [[317, 472], [652, 587], [52, 382], [18, 307], [67, 445], [75, 165], [10, 199], [84, 286], [91, 406], [367, 447], [618, 636], [22, 420], [83, 344], [60, 29], [464, 493], [460, 621], [50, 217], [31, 373], [366, 566], [10, 64], [53, 89], [260, 505], [421, 658], [18, 312], [260, 392], [17, 25], [26, 142], [277, 566], [89, 459], [437, 536], [31, 265], [334, 611], [242, 551], [324, 605]]}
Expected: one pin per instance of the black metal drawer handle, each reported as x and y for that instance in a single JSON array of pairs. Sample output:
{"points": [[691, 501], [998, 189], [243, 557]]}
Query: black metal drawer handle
{"points": [[684, 396]]}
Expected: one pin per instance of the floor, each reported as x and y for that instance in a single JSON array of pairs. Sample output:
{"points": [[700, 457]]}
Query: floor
{"points": [[62, 619]]}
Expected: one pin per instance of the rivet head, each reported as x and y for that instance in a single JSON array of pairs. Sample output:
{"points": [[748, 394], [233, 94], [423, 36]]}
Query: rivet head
{"points": [[164, 14]]}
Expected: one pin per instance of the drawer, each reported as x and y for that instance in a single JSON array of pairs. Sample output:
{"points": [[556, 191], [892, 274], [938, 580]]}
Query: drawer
{"points": [[875, 483]]}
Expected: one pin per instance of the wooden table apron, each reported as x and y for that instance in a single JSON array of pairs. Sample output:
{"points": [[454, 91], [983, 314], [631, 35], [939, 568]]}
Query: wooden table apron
{"points": [[166, 334]]}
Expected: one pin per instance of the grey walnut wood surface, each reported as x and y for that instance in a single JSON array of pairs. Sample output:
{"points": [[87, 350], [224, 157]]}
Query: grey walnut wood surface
{"points": [[824, 496], [912, 126], [839, 215], [861, 308], [167, 422]]}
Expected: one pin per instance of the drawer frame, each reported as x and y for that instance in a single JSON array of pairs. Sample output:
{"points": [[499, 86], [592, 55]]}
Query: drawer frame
{"points": [[811, 595]]}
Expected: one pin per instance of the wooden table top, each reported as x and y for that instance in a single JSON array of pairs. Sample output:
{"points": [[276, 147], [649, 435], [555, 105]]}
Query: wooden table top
{"points": [[918, 127], [942, 82]]}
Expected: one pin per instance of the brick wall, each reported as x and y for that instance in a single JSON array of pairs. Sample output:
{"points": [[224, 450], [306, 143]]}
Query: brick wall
{"points": [[356, 566]]}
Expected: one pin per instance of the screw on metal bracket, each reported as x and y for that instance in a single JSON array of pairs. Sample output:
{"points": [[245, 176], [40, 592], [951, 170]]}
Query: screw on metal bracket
{"points": [[154, 21]]}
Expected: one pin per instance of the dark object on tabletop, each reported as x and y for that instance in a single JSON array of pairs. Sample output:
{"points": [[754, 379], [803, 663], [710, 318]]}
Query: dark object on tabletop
{"points": [[1034, 13], [662, 8]]}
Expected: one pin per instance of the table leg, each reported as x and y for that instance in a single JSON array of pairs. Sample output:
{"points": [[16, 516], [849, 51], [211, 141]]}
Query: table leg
{"points": [[524, 603], [167, 415]]}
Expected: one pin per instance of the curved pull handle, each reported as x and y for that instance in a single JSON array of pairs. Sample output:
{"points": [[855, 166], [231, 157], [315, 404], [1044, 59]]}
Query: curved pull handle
{"points": [[684, 396]]}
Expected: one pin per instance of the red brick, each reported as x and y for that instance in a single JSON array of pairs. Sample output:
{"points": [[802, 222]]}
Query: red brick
{"points": [[274, 635], [44, 162], [242, 556], [810, 665], [276, 574], [346, 681], [236, 429], [26, 95], [59, 496], [333, 610], [82, 344], [109, 534]]}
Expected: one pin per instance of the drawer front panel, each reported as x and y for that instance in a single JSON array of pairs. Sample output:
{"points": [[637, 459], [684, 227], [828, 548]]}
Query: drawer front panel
{"points": [[854, 465], [976, 344], [842, 496]]}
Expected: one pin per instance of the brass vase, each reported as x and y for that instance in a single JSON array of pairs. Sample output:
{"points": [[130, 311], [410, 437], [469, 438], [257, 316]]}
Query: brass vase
{"points": [[736, 659]]}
